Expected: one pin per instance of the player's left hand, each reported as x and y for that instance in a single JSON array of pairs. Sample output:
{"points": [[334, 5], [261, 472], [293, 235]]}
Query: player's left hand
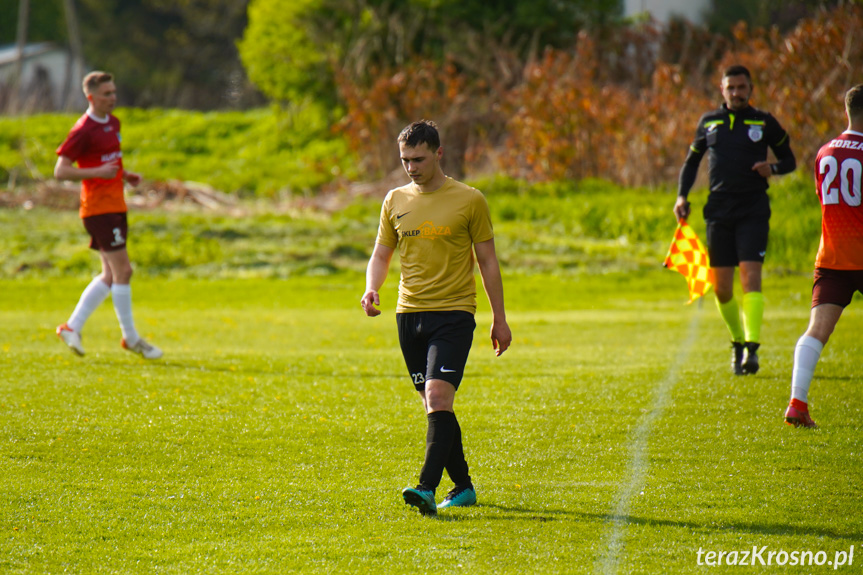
{"points": [[763, 169], [132, 178], [501, 337]]}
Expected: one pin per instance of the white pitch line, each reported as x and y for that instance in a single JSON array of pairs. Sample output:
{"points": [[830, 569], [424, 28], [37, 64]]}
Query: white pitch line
{"points": [[638, 464]]}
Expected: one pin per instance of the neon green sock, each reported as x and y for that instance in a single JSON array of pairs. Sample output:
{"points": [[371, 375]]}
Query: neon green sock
{"points": [[753, 312], [730, 313]]}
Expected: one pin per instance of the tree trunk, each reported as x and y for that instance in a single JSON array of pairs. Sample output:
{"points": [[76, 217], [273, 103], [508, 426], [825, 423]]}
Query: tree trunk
{"points": [[74, 64], [20, 44]]}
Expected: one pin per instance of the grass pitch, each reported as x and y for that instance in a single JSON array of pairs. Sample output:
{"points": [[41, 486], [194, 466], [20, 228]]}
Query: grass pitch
{"points": [[276, 434]]}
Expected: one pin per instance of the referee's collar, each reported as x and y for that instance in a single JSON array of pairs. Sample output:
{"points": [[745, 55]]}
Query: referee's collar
{"points": [[728, 110]]}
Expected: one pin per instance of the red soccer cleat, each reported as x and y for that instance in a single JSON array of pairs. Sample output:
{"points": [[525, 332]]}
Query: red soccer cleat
{"points": [[797, 415]]}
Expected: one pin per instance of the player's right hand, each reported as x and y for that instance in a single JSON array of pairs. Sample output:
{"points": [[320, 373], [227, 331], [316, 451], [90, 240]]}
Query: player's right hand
{"points": [[107, 171], [681, 208], [369, 300]]}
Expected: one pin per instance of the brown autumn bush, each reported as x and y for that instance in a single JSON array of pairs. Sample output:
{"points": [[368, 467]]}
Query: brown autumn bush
{"points": [[621, 104], [803, 76]]}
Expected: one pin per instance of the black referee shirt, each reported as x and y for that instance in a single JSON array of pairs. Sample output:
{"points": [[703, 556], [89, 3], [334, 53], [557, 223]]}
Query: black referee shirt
{"points": [[735, 141]]}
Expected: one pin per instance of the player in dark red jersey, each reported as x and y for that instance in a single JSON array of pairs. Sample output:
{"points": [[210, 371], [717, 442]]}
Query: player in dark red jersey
{"points": [[94, 144], [736, 138], [839, 263]]}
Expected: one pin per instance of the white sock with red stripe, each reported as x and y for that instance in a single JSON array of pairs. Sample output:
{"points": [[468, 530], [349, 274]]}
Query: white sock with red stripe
{"points": [[91, 298], [121, 294], [806, 356]]}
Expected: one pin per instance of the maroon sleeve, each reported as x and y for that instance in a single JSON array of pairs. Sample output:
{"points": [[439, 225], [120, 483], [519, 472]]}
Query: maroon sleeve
{"points": [[75, 144]]}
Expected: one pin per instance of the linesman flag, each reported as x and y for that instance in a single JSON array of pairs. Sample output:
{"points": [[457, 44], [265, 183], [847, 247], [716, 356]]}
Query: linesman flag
{"points": [[688, 256]]}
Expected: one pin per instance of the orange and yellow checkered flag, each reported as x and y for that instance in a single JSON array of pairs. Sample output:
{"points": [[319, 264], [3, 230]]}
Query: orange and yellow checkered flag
{"points": [[688, 256]]}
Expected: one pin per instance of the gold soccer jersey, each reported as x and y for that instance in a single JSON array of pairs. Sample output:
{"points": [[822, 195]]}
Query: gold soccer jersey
{"points": [[435, 232]]}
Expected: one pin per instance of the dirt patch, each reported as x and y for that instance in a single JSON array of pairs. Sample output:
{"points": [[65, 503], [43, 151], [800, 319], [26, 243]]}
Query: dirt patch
{"points": [[176, 194]]}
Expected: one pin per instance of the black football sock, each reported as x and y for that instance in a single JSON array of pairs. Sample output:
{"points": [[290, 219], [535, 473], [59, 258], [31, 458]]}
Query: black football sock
{"points": [[456, 465], [439, 440]]}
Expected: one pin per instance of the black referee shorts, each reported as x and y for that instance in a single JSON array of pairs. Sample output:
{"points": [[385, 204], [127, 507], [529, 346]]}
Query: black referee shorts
{"points": [[732, 242], [737, 227], [435, 344]]}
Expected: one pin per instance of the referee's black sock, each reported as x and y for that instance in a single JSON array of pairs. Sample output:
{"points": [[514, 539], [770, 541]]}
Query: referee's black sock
{"points": [[439, 441], [456, 466]]}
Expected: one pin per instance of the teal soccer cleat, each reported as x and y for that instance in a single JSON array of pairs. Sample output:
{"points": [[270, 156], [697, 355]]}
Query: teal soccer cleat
{"points": [[459, 497], [421, 499]]}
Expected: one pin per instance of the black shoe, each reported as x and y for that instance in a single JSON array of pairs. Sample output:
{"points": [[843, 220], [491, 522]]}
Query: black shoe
{"points": [[737, 357], [750, 358]]}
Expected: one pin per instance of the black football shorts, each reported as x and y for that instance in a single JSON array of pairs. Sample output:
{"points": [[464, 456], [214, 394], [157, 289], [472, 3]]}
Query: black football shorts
{"points": [[731, 242], [435, 344]]}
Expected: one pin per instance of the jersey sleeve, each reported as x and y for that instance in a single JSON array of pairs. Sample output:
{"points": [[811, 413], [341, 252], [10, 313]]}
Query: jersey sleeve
{"points": [[699, 143], [387, 235], [780, 143], [480, 226], [74, 144], [776, 134], [689, 171]]}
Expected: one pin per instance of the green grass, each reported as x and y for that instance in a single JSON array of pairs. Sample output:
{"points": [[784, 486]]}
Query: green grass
{"points": [[562, 229], [264, 152], [278, 430]]}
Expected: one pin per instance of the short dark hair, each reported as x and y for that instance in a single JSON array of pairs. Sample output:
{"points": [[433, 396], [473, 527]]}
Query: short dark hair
{"points": [[737, 70], [422, 132], [94, 79], [854, 102]]}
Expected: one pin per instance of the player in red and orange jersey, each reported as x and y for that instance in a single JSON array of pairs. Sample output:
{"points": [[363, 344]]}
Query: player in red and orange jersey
{"points": [[839, 263], [94, 145]]}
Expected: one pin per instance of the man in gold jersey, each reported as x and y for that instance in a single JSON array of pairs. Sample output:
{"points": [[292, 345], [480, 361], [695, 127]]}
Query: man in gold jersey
{"points": [[437, 224]]}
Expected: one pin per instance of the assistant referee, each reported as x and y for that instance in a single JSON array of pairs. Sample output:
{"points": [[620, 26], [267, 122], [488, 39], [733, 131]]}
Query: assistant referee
{"points": [[737, 213]]}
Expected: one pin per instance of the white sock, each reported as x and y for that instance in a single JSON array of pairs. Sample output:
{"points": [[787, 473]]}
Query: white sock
{"points": [[91, 298], [806, 356], [122, 296]]}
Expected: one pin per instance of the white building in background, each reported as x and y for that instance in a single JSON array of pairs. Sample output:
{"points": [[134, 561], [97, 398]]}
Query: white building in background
{"points": [[664, 10], [50, 79]]}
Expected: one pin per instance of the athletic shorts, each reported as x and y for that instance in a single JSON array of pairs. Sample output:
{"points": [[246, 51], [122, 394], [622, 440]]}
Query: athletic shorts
{"points": [[435, 344], [836, 286], [107, 231], [731, 242]]}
